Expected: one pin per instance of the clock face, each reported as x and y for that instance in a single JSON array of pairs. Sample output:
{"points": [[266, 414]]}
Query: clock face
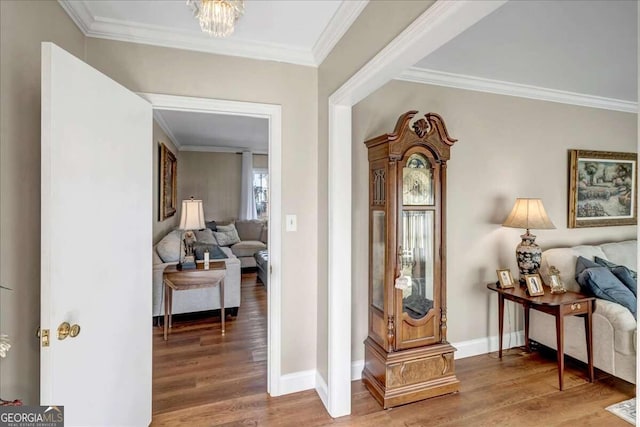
{"points": [[417, 181]]}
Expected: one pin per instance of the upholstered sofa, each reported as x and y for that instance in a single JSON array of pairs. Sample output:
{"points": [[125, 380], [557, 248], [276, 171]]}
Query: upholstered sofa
{"points": [[614, 327], [253, 238], [196, 299]]}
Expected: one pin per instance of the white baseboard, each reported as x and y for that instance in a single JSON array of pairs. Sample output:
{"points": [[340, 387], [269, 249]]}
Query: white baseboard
{"points": [[321, 389], [487, 344], [297, 381], [356, 369], [307, 380]]}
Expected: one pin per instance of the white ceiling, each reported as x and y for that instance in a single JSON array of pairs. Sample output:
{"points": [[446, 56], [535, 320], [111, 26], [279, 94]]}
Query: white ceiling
{"points": [[300, 32], [584, 47], [192, 131], [581, 52]]}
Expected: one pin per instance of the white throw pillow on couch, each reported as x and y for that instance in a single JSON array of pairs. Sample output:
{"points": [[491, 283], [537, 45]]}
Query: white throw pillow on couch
{"points": [[169, 247]]}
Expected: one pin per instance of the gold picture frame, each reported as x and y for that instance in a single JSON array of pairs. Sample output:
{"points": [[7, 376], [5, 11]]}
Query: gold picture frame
{"points": [[555, 284], [602, 188], [505, 279], [168, 196], [534, 284]]}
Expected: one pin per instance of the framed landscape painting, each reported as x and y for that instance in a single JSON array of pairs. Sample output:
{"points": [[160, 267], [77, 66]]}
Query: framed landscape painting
{"points": [[602, 188], [168, 183]]}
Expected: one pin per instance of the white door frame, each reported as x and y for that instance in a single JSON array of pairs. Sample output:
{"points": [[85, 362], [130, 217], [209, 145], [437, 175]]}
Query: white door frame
{"points": [[273, 113], [436, 26]]}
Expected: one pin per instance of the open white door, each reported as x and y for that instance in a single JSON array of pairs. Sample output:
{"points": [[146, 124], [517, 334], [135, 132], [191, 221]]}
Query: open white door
{"points": [[96, 244]]}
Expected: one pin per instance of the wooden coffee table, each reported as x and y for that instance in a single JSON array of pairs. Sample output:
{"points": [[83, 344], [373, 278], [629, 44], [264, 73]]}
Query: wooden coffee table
{"points": [[557, 305], [184, 280]]}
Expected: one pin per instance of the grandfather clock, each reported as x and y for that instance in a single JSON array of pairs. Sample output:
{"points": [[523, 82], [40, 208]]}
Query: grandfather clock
{"points": [[407, 356]]}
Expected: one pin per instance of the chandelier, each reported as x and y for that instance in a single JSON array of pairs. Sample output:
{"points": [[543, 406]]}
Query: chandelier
{"points": [[217, 17]]}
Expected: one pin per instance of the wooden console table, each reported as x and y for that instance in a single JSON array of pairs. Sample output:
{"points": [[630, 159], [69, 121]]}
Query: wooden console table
{"points": [[183, 280], [557, 305]]}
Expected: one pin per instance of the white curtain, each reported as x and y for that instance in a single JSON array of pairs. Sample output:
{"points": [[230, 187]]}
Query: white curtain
{"points": [[247, 199]]}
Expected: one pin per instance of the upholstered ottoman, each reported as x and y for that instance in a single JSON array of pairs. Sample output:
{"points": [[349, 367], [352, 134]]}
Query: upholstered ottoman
{"points": [[262, 262]]}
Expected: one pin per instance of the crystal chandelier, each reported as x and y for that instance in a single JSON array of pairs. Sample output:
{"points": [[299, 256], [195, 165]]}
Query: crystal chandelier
{"points": [[217, 17]]}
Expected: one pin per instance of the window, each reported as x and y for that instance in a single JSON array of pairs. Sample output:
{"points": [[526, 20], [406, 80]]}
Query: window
{"points": [[261, 192]]}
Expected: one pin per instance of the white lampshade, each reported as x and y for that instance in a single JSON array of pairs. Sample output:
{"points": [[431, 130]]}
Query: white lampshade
{"points": [[529, 214], [192, 215]]}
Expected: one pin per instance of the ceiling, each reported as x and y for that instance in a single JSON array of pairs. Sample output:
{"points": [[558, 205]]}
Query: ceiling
{"points": [[192, 131], [299, 32], [581, 52], [535, 48]]}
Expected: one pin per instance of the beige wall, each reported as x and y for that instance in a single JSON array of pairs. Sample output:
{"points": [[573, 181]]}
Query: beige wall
{"points": [[179, 72], [161, 228], [215, 178], [23, 26], [379, 23], [507, 147]]}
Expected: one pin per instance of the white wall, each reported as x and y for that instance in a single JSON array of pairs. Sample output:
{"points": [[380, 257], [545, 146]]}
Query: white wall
{"points": [[216, 178], [151, 69], [507, 147]]}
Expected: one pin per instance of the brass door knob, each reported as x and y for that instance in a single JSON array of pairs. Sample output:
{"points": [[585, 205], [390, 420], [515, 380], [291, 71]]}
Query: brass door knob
{"points": [[65, 330]]}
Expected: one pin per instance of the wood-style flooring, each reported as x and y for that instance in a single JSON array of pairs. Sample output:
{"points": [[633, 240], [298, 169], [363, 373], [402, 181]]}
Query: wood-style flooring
{"points": [[204, 379]]}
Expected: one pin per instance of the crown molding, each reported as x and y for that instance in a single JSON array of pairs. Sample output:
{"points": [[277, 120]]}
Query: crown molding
{"points": [[79, 14], [341, 21], [155, 35], [221, 149], [479, 84], [165, 127]]}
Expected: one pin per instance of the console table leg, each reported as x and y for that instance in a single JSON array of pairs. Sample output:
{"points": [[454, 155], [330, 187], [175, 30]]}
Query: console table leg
{"points": [[589, 332], [222, 315], [560, 342], [500, 323], [526, 328]]}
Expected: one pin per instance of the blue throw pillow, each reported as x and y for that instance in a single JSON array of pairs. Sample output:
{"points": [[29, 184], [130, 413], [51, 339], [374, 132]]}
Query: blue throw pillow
{"points": [[214, 251], [583, 263], [601, 282], [624, 275], [606, 263]]}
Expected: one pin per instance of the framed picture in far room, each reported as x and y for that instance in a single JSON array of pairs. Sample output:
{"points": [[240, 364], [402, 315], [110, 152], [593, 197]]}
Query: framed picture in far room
{"points": [[602, 188], [534, 284], [168, 196], [505, 278]]}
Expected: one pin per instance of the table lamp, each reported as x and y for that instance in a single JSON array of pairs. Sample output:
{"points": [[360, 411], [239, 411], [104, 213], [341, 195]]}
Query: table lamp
{"points": [[191, 218], [528, 214]]}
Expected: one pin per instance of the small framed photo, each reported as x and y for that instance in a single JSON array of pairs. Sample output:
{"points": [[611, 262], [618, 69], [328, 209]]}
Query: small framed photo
{"points": [[534, 284], [556, 285], [505, 278]]}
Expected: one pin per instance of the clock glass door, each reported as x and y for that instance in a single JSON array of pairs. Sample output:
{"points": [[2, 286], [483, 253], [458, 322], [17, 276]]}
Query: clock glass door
{"points": [[417, 262]]}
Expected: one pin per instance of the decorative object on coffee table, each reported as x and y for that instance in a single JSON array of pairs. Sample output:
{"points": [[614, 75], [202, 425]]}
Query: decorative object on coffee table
{"points": [[528, 214], [602, 188], [168, 183], [191, 218], [407, 356]]}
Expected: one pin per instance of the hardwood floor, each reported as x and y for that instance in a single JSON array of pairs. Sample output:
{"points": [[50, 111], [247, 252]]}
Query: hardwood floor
{"points": [[204, 379]]}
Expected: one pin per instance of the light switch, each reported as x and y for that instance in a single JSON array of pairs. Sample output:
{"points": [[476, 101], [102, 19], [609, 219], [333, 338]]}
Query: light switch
{"points": [[292, 223]]}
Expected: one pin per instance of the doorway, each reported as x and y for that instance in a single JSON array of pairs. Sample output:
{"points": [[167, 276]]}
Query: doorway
{"points": [[272, 113]]}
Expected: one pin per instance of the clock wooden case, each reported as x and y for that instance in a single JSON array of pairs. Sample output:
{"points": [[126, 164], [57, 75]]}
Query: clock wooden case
{"points": [[407, 356]]}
